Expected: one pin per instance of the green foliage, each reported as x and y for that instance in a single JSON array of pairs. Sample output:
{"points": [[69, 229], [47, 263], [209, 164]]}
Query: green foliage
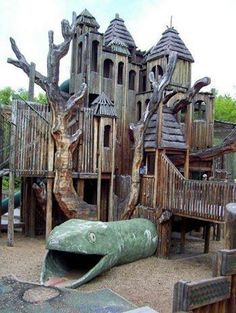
{"points": [[225, 108], [5, 183], [7, 94]]}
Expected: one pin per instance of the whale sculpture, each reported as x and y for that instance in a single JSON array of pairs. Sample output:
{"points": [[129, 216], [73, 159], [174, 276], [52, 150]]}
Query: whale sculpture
{"points": [[80, 250]]}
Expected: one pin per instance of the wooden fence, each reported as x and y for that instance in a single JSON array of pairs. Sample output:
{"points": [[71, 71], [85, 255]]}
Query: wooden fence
{"points": [[191, 198], [216, 295], [5, 134], [31, 137]]}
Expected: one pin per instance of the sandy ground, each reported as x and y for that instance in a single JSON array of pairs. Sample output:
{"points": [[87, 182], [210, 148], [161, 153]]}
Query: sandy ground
{"points": [[146, 282]]}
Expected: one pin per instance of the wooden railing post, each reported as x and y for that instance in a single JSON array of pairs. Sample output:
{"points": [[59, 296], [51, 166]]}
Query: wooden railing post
{"points": [[230, 226]]}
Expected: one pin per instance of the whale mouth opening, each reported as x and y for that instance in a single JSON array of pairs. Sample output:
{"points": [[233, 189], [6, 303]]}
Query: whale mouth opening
{"points": [[63, 268]]}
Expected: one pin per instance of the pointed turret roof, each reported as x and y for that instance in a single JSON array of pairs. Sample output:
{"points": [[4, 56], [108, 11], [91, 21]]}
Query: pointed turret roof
{"points": [[117, 45], [170, 41], [172, 136], [103, 106], [117, 29], [85, 17]]}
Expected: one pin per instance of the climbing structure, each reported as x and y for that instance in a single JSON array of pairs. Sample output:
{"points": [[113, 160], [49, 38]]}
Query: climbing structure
{"points": [[93, 124]]}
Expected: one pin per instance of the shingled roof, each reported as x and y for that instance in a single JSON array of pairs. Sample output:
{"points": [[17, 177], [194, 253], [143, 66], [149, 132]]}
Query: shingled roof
{"points": [[170, 41], [117, 45], [172, 136], [103, 106], [117, 29], [85, 17]]}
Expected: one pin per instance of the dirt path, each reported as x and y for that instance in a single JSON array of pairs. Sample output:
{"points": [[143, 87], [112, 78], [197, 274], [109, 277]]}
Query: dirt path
{"points": [[145, 282]]}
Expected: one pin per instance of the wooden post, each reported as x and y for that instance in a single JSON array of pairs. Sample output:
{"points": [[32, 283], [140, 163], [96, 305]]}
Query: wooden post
{"points": [[32, 207], [207, 237], [183, 236], [111, 207], [0, 204], [230, 226], [100, 146], [49, 207], [164, 230], [80, 188], [31, 82], [10, 228]]}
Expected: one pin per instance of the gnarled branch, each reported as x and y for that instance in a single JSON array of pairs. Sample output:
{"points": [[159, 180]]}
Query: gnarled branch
{"points": [[22, 63], [191, 93]]}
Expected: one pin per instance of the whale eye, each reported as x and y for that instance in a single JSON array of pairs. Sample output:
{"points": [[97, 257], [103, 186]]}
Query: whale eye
{"points": [[92, 237]]}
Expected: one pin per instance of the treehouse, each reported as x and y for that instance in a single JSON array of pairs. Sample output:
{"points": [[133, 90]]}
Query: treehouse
{"points": [[75, 155]]}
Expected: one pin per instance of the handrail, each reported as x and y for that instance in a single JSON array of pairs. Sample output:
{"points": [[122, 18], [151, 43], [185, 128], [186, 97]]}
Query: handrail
{"points": [[186, 197]]}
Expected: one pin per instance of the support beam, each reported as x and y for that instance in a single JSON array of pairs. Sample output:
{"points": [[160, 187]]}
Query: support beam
{"points": [[0, 204], [207, 237], [10, 228], [49, 207]]}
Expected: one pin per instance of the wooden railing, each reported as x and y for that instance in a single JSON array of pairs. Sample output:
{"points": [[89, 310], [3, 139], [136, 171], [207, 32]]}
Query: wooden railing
{"points": [[216, 295], [198, 199]]}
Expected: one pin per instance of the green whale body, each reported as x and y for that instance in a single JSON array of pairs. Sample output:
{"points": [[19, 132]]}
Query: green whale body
{"points": [[79, 250]]}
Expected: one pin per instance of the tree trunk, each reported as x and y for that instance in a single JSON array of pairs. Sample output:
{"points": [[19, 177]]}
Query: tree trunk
{"points": [[139, 131], [63, 106]]}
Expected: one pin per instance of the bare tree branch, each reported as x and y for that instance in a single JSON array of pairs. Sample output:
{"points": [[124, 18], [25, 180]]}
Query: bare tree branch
{"points": [[139, 131], [77, 99], [22, 63], [198, 85]]}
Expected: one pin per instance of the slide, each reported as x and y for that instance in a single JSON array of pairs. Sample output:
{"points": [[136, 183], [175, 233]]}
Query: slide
{"points": [[17, 198]]}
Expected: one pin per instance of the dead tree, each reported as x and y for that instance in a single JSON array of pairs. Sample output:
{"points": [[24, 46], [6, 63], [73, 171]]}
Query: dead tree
{"points": [[62, 107], [139, 130]]}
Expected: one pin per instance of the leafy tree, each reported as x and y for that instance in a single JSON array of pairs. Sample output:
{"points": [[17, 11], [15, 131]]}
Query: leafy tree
{"points": [[7, 94], [225, 108]]}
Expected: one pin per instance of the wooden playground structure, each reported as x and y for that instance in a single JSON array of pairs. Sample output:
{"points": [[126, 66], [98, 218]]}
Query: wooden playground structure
{"points": [[100, 164]]}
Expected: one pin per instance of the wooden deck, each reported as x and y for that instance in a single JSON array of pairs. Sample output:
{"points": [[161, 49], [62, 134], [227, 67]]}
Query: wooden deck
{"points": [[204, 200]]}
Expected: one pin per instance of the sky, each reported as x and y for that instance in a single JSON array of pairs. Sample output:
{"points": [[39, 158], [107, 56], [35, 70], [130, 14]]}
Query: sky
{"points": [[207, 27]]}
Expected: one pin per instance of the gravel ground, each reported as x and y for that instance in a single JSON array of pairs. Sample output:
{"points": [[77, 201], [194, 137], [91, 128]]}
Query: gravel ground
{"points": [[145, 282]]}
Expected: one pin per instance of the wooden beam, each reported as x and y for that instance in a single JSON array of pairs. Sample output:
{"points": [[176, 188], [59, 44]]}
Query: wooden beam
{"points": [[10, 228], [207, 237], [31, 82], [0, 204], [49, 207]]}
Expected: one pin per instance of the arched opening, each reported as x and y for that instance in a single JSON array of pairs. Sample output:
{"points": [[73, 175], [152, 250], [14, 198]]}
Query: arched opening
{"points": [[139, 110], [107, 68], [120, 73], [94, 56], [199, 112], [159, 72], [142, 80], [182, 115], [132, 75], [146, 102], [154, 71], [107, 135], [80, 49]]}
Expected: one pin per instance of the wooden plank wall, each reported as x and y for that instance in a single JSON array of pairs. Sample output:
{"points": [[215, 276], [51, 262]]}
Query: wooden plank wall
{"points": [[216, 294], [202, 135], [84, 155], [5, 131], [190, 198], [31, 139]]}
